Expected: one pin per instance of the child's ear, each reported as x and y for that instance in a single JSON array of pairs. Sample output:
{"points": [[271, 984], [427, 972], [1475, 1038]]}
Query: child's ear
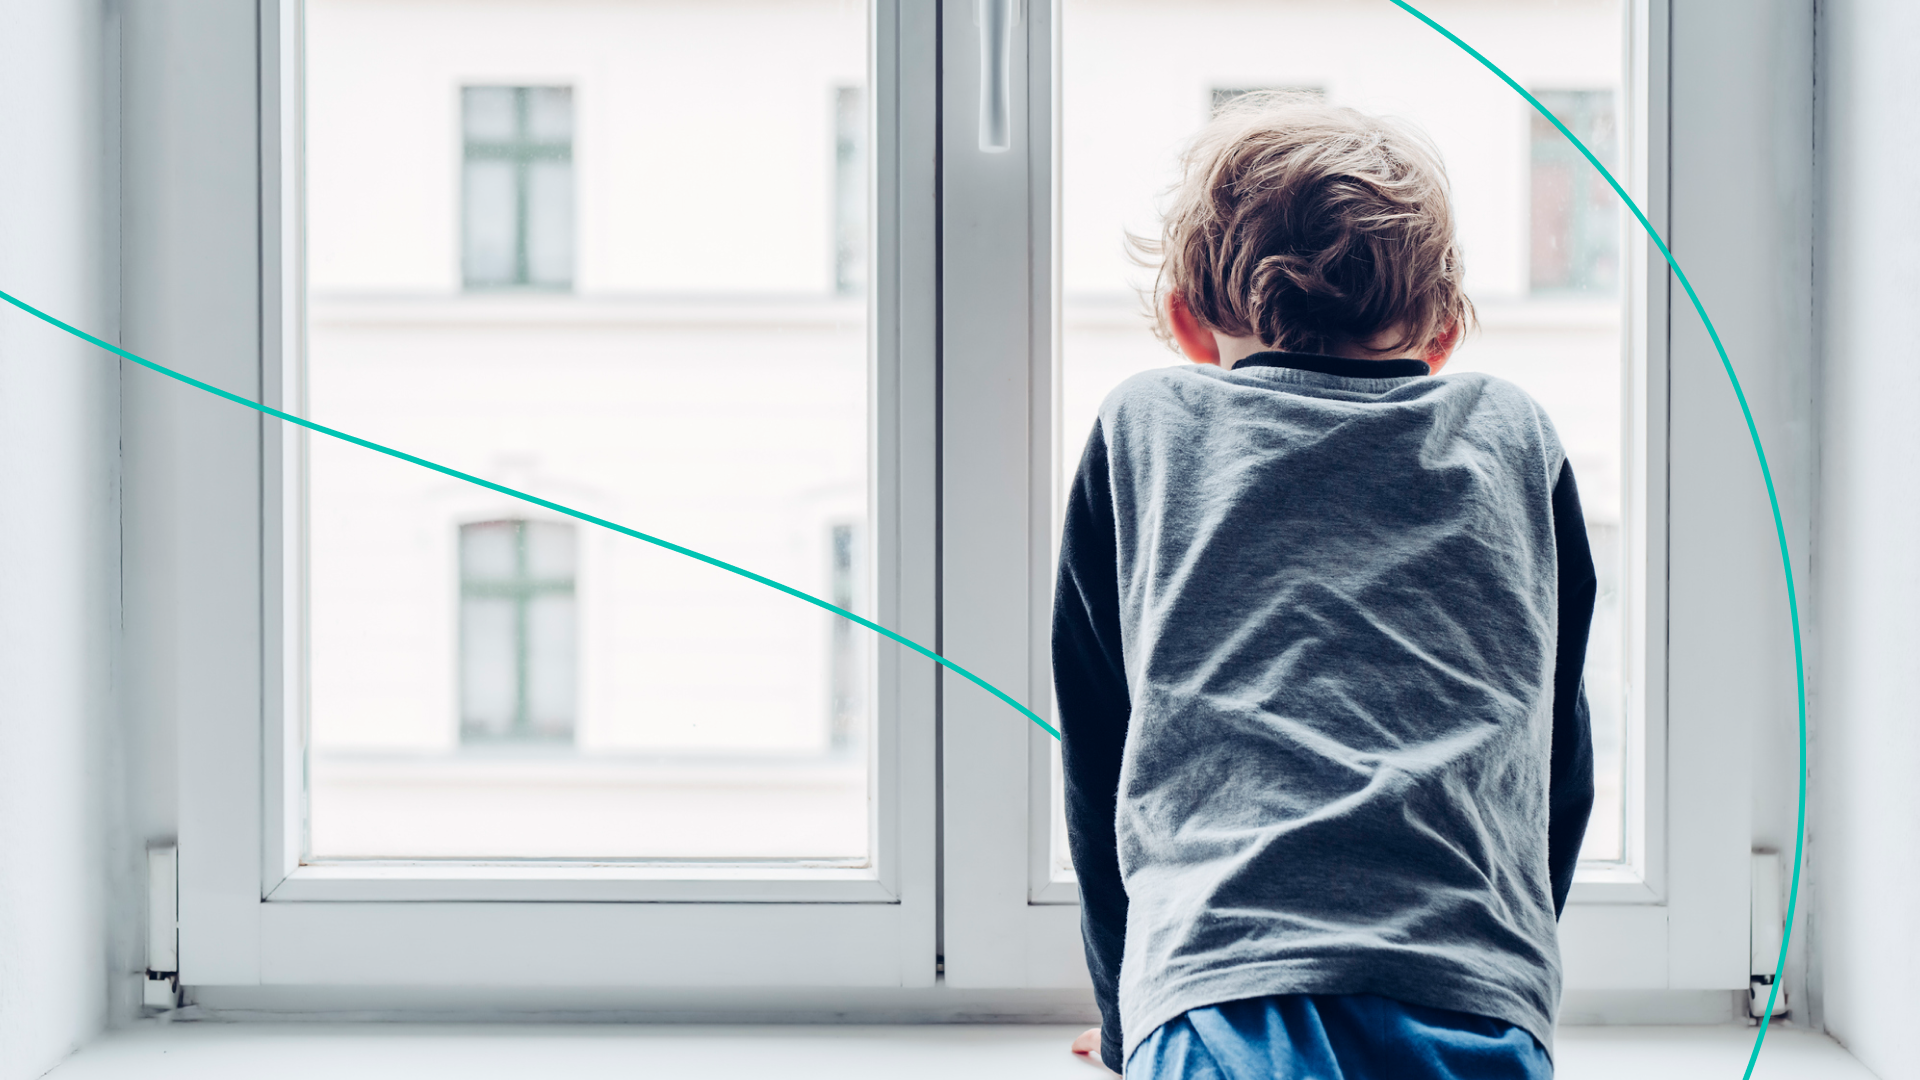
{"points": [[1195, 341], [1441, 349]]}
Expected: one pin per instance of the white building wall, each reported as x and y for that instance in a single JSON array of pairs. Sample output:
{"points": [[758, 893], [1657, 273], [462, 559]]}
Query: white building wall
{"points": [[749, 451], [704, 164], [1865, 866], [59, 577]]}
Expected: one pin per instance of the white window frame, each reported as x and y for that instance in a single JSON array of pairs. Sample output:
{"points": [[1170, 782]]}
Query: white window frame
{"points": [[963, 447], [252, 916], [1705, 598]]}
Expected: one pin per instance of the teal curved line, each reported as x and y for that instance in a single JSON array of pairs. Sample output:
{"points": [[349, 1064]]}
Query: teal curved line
{"points": [[1766, 474], [536, 500]]}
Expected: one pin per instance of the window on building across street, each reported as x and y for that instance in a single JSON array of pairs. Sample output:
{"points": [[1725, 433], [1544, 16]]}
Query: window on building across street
{"points": [[849, 190], [1575, 239], [1221, 95], [517, 634], [846, 714], [517, 186]]}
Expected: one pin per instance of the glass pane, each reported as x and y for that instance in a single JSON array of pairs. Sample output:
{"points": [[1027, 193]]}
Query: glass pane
{"points": [[489, 686], [613, 308], [1541, 233], [489, 550], [551, 674], [490, 210], [489, 113], [550, 223], [850, 189], [551, 548], [550, 114]]}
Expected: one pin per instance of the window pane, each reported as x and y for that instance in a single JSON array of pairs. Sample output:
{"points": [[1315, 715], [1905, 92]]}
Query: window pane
{"points": [[491, 213], [488, 113], [1576, 218], [550, 223], [850, 189], [646, 310], [489, 684], [550, 114], [489, 550], [1541, 244], [551, 675], [551, 549]]}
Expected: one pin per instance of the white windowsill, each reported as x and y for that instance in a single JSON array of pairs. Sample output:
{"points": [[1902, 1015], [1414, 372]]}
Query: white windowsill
{"points": [[211, 1051]]}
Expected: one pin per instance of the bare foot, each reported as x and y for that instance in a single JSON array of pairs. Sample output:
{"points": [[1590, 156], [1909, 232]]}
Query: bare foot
{"points": [[1087, 1045]]}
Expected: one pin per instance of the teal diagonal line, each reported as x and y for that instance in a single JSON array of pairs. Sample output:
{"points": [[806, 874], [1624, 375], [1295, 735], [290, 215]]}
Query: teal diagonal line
{"points": [[1766, 475], [536, 500]]}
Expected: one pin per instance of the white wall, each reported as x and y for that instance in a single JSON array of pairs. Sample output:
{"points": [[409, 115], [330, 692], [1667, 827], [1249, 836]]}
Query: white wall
{"points": [[1867, 805], [59, 553]]}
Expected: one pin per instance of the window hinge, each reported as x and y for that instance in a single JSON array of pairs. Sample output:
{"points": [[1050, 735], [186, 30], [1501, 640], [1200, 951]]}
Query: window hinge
{"points": [[1768, 925], [163, 927]]}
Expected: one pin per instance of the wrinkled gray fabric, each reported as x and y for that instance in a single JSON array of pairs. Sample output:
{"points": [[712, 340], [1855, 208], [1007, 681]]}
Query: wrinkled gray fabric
{"points": [[1335, 777]]}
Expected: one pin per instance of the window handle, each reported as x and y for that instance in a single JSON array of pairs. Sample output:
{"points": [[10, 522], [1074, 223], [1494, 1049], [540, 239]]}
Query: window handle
{"points": [[996, 20]]}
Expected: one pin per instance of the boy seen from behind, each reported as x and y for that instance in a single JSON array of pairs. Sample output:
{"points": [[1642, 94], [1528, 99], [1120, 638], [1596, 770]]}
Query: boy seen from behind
{"points": [[1318, 639]]}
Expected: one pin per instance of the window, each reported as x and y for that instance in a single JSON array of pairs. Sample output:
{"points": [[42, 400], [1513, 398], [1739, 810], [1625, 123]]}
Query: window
{"points": [[748, 797], [517, 186], [1575, 234], [846, 674], [849, 190], [1221, 95], [1106, 195], [485, 684], [517, 655], [1124, 109]]}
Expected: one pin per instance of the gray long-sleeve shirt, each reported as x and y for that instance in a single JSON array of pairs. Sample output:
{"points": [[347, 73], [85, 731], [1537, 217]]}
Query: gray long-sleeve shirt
{"points": [[1317, 652]]}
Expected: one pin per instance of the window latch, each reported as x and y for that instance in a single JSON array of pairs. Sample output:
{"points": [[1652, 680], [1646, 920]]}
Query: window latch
{"points": [[162, 989], [1769, 923]]}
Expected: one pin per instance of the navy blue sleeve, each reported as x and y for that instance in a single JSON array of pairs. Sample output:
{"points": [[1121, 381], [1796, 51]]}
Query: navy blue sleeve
{"points": [[1570, 775], [1090, 687]]}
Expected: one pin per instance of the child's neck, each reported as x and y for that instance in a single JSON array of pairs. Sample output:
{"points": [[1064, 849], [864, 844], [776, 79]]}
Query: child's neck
{"points": [[1235, 349]]}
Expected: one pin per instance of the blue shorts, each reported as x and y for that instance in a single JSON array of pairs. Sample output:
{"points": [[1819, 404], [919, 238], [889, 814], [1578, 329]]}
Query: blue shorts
{"points": [[1336, 1037]]}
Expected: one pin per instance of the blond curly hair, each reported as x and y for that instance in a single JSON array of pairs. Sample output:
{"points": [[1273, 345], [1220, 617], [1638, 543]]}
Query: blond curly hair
{"points": [[1311, 227]]}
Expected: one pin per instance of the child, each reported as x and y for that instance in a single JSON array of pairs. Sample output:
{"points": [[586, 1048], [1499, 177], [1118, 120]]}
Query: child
{"points": [[1318, 641]]}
